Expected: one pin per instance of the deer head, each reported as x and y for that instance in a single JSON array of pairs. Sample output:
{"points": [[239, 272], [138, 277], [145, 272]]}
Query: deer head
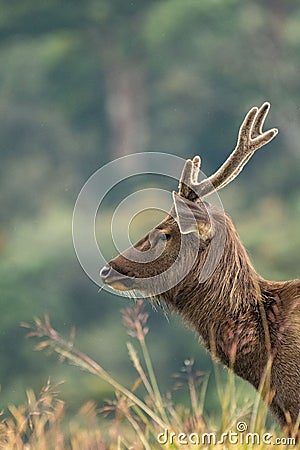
{"points": [[159, 261]]}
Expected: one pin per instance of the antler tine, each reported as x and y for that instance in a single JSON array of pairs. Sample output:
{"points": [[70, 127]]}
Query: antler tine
{"points": [[250, 138], [185, 178], [257, 126], [196, 168], [189, 178], [260, 119]]}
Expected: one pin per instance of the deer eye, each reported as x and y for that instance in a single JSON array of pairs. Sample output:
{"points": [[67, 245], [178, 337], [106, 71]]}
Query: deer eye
{"points": [[164, 236]]}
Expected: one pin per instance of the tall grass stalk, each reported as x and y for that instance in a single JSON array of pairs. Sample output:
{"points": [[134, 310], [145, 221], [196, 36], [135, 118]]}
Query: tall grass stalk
{"points": [[135, 320], [137, 422], [67, 351]]}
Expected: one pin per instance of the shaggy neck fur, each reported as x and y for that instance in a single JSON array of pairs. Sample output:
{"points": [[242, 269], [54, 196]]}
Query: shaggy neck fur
{"points": [[232, 310], [233, 288]]}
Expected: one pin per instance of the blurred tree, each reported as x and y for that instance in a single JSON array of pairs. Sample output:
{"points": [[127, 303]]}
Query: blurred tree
{"points": [[233, 55], [84, 82], [111, 31]]}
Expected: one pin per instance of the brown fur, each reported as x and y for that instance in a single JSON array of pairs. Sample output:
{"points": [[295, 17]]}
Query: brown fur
{"points": [[243, 319], [250, 324]]}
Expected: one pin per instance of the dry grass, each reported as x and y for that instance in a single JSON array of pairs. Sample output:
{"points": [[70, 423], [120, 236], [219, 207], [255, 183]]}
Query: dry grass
{"points": [[131, 421]]}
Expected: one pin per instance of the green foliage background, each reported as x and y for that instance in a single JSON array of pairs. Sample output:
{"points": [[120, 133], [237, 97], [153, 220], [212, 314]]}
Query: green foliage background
{"points": [[82, 83]]}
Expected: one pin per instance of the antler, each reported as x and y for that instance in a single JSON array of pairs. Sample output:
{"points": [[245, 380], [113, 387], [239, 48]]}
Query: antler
{"points": [[250, 138]]}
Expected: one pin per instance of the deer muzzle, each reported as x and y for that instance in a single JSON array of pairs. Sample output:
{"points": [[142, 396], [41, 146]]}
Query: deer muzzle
{"points": [[116, 279]]}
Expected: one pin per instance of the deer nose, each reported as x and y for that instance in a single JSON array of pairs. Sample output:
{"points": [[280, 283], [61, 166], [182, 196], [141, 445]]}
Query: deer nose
{"points": [[104, 272]]}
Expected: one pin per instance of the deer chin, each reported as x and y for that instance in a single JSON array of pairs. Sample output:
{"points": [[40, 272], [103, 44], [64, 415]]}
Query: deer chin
{"points": [[121, 285]]}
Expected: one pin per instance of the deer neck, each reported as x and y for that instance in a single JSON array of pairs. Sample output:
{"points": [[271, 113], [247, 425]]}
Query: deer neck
{"points": [[231, 294]]}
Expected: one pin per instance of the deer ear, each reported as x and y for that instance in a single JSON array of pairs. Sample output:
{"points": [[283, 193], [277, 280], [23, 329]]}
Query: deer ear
{"points": [[192, 217]]}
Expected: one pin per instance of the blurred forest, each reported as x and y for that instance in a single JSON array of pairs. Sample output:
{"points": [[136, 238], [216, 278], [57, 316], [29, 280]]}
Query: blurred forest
{"points": [[83, 83]]}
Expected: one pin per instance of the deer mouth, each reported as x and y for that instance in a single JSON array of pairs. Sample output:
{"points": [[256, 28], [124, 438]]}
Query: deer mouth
{"points": [[116, 280]]}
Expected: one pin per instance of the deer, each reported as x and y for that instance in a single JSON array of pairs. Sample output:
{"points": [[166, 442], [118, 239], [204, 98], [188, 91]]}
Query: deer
{"points": [[248, 323]]}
